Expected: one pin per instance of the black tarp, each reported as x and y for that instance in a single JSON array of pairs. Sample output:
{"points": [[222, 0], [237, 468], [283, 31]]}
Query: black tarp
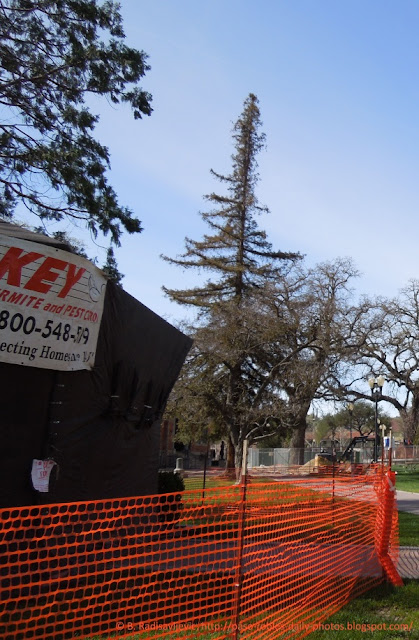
{"points": [[102, 426]]}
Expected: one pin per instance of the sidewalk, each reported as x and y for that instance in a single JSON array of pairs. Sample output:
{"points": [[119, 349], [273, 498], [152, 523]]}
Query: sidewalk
{"points": [[407, 501], [408, 565]]}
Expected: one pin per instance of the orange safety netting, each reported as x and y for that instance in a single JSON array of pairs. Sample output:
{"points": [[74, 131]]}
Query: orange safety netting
{"points": [[262, 560]]}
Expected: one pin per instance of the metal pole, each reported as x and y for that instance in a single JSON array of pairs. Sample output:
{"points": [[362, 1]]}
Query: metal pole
{"points": [[376, 428], [242, 512], [351, 411], [205, 469], [376, 386], [390, 450]]}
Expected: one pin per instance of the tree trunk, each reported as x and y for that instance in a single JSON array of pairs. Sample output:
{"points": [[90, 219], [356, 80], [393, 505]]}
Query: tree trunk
{"points": [[238, 458], [297, 442], [230, 470]]}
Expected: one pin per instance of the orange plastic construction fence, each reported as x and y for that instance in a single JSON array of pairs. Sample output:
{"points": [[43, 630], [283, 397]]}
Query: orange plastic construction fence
{"points": [[259, 560]]}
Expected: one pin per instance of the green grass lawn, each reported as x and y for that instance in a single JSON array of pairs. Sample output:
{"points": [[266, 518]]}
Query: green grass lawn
{"points": [[195, 482], [408, 529], [383, 613], [407, 478], [381, 608]]}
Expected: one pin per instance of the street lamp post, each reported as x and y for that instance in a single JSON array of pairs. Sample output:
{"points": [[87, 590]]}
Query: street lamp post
{"points": [[376, 386], [351, 411]]}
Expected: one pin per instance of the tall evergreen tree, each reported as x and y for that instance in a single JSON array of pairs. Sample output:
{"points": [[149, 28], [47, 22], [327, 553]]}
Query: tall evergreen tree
{"points": [[242, 263], [236, 252]]}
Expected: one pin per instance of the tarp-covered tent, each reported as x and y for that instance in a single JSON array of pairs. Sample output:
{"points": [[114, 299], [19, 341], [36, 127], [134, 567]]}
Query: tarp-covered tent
{"points": [[85, 408]]}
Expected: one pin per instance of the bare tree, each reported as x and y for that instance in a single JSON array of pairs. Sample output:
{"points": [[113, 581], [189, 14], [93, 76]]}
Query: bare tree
{"points": [[384, 338], [318, 308], [256, 367]]}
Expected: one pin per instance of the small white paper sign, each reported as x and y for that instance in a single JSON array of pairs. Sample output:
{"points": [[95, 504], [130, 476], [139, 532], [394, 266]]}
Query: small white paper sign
{"points": [[41, 471]]}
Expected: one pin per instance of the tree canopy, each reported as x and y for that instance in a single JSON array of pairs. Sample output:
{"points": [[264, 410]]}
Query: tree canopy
{"points": [[54, 54]]}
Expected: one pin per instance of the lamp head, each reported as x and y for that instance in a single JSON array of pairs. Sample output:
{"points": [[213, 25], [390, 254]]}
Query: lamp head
{"points": [[371, 383], [380, 381]]}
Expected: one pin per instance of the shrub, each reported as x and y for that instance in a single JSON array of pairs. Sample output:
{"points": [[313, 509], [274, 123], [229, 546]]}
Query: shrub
{"points": [[170, 482]]}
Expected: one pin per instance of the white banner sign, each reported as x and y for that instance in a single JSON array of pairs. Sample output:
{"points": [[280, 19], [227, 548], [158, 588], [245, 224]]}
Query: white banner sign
{"points": [[51, 305]]}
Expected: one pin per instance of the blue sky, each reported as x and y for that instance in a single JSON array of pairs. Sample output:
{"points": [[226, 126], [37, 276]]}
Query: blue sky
{"points": [[338, 88]]}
